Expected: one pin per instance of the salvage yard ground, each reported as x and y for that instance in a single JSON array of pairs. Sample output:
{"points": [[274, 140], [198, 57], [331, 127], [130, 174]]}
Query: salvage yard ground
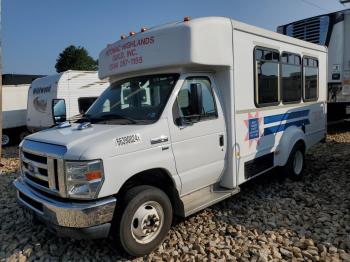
{"points": [[271, 219]]}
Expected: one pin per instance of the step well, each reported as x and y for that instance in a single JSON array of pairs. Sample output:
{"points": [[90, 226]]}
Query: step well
{"points": [[205, 197]]}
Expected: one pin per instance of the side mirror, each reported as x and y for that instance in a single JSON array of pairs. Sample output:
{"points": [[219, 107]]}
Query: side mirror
{"points": [[196, 99], [59, 111]]}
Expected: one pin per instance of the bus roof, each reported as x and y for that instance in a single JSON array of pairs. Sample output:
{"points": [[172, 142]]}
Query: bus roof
{"points": [[201, 41]]}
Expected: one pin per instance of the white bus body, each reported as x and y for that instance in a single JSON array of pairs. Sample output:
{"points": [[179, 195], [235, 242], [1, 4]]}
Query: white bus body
{"points": [[14, 109], [333, 31], [73, 91], [199, 108]]}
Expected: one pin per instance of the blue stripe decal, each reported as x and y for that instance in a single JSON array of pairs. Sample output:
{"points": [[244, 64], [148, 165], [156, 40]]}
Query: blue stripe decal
{"points": [[280, 128], [286, 116]]}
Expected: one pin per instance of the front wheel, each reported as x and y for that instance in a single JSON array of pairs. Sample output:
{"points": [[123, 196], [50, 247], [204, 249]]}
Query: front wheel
{"points": [[144, 221], [296, 162]]}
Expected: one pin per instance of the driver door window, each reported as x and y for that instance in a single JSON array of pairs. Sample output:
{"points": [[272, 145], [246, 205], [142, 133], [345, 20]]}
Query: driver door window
{"points": [[186, 105]]}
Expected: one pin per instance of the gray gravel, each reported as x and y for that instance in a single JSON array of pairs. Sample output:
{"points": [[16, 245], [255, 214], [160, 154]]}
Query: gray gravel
{"points": [[272, 219]]}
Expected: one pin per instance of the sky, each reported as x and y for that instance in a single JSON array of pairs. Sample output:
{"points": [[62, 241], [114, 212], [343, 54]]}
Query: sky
{"points": [[34, 32]]}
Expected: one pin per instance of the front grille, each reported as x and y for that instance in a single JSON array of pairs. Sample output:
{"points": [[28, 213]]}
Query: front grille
{"points": [[36, 158], [43, 172], [36, 180], [313, 30]]}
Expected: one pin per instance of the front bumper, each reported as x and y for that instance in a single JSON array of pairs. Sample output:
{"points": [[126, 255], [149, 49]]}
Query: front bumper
{"points": [[66, 217]]}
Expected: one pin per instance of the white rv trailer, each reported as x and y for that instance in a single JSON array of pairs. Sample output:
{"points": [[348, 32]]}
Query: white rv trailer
{"points": [[194, 109], [14, 110], [333, 31], [56, 98]]}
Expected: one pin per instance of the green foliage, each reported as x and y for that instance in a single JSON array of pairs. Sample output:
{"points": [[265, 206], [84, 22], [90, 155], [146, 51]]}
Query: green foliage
{"points": [[75, 58]]}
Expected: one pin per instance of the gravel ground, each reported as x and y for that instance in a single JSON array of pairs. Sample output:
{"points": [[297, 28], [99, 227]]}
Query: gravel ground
{"points": [[271, 219]]}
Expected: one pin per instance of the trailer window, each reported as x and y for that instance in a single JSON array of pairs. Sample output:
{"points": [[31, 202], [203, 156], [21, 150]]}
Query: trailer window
{"points": [[84, 103], [266, 81], [310, 78], [291, 78]]}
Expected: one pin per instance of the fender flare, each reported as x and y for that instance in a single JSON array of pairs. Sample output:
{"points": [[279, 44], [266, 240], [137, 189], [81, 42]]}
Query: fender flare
{"points": [[288, 140]]}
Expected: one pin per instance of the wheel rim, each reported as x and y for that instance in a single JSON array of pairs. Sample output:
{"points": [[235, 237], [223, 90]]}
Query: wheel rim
{"points": [[298, 162], [5, 140], [147, 222]]}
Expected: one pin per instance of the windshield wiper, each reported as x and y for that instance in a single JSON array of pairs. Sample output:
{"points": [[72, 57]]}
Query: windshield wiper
{"points": [[81, 119], [113, 117]]}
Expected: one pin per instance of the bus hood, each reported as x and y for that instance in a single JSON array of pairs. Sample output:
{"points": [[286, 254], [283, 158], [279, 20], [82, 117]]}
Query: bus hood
{"points": [[101, 140]]}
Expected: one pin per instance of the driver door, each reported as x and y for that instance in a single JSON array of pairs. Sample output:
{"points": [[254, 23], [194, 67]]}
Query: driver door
{"points": [[198, 139]]}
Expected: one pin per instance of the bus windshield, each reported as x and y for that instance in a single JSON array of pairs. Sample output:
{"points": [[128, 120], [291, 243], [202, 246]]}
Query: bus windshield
{"points": [[133, 100]]}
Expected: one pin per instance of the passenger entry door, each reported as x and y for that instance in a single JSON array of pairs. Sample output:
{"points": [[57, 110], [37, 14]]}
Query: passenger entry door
{"points": [[198, 138]]}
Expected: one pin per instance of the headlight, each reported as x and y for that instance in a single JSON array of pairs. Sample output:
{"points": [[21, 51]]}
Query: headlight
{"points": [[84, 179]]}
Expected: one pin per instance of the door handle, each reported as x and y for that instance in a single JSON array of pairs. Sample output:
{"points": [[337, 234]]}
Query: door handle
{"points": [[221, 140], [158, 140]]}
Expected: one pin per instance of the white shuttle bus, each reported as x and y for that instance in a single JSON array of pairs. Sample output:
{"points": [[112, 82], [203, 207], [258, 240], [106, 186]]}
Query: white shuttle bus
{"points": [[56, 98], [194, 109]]}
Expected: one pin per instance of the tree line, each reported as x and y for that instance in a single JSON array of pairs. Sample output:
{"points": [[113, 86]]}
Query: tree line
{"points": [[75, 58]]}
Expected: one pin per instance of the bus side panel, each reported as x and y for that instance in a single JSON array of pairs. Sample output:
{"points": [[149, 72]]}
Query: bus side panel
{"points": [[259, 130]]}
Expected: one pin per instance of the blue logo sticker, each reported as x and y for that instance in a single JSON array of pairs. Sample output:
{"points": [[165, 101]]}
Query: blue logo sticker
{"points": [[253, 128]]}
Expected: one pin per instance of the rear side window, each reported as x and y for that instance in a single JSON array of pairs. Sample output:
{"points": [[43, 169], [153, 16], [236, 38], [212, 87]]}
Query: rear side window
{"points": [[310, 78], [291, 78], [266, 77]]}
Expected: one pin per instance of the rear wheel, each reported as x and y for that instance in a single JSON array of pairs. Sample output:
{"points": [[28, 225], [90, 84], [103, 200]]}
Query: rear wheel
{"points": [[144, 221], [296, 162]]}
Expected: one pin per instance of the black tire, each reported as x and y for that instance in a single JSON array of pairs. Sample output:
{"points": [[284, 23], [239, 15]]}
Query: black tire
{"points": [[295, 165], [125, 223], [6, 139]]}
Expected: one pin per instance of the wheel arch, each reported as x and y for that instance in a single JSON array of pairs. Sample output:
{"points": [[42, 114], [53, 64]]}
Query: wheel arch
{"points": [[291, 136], [157, 177]]}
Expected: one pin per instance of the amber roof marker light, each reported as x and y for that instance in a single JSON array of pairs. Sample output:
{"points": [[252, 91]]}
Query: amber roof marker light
{"points": [[122, 36], [143, 29], [132, 33], [187, 19]]}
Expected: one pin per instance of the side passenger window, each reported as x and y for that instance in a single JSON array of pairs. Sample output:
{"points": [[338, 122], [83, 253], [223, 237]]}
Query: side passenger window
{"points": [[291, 73], [195, 101], [266, 77], [310, 79]]}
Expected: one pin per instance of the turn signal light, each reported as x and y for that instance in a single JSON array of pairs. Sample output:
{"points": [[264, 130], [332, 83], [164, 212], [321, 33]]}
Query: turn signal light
{"points": [[93, 175], [122, 36], [187, 18], [132, 33], [143, 29]]}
